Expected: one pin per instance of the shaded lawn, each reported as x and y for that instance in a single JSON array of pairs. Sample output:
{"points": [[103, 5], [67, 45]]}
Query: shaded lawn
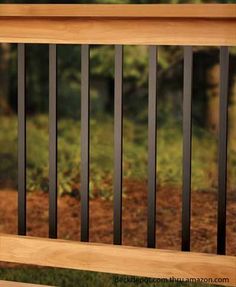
{"points": [[74, 278]]}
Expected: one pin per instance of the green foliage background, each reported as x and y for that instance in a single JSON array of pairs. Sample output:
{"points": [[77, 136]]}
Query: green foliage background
{"points": [[169, 160]]}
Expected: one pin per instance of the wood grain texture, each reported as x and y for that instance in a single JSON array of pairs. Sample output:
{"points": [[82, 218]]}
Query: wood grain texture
{"points": [[153, 24], [18, 284], [156, 31], [119, 10], [116, 259]]}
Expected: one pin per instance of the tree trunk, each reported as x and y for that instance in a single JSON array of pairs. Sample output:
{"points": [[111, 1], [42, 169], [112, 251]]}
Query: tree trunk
{"points": [[213, 98], [4, 78]]}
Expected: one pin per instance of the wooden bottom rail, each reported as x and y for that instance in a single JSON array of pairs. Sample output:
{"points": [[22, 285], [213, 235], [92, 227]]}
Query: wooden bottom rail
{"points": [[18, 284], [125, 260]]}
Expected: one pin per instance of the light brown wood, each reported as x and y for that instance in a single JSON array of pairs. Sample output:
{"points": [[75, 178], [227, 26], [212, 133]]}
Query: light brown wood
{"points": [[120, 10], [116, 259], [157, 24], [19, 284], [166, 31]]}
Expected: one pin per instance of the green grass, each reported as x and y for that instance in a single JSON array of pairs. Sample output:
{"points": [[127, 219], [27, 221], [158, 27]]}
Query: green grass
{"points": [[73, 278], [169, 160]]}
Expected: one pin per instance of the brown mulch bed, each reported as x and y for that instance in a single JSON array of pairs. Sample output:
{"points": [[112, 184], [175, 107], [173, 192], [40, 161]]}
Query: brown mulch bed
{"points": [[203, 222]]}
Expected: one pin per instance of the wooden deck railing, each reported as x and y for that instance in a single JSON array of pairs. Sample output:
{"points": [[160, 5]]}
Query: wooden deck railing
{"points": [[153, 25], [119, 24]]}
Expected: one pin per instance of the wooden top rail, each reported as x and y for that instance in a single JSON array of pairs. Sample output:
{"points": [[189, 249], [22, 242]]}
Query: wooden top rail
{"points": [[148, 262], [153, 24], [119, 10]]}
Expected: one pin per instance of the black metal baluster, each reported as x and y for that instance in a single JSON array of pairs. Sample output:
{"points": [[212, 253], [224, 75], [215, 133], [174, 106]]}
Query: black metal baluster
{"points": [[223, 134], [187, 147], [118, 141], [21, 140], [152, 142], [85, 102], [52, 141]]}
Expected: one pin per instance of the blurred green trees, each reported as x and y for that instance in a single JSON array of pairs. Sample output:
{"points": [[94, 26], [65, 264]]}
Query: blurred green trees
{"points": [[170, 86]]}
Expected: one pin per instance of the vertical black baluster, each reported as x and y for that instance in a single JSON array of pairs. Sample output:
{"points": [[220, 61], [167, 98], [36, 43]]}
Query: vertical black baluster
{"points": [[187, 147], [52, 141], [223, 133], [85, 102], [118, 141], [152, 142], [21, 141]]}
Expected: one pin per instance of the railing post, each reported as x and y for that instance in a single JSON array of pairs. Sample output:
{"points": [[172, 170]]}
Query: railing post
{"points": [[118, 141], [222, 161], [85, 110], [21, 140], [187, 147], [152, 146], [52, 141]]}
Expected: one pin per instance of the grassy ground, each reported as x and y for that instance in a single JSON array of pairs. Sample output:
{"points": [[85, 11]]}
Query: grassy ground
{"points": [[72, 278]]}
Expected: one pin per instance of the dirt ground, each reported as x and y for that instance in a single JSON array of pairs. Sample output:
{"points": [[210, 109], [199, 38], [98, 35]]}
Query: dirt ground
{"points": [[203, 221]]}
